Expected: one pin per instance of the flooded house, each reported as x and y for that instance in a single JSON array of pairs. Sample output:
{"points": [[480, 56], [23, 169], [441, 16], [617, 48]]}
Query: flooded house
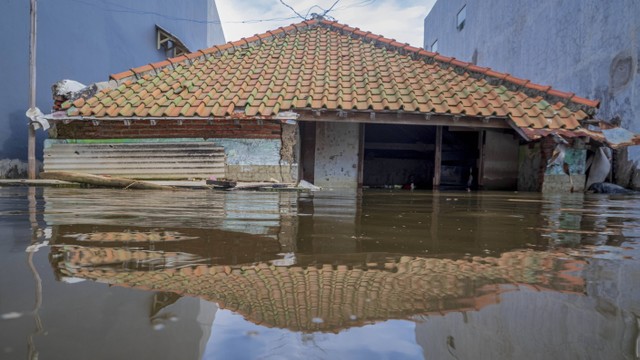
{"points": [[336, 106]]}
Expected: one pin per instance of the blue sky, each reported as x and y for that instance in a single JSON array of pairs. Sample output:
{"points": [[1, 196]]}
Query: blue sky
{"points": [[398, 19], [230, 332]]}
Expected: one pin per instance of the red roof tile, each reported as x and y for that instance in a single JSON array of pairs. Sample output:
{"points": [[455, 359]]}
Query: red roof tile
{"points": [[324, 64]]}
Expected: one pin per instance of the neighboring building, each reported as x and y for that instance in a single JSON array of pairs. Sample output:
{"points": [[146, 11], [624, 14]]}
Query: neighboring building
{"points": [[83, 40], [589, 47], [330, 104]]}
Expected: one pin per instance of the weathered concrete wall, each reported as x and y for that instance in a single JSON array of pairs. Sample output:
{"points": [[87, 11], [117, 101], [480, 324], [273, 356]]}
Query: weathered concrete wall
{"points": [[529, 164], [500, 161], [86, 41], [256, 160], [555, 179], [13, 169], [590, 47], [336, 158]]}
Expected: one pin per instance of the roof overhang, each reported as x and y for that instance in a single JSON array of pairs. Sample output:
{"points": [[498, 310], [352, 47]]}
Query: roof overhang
{"points": [[614, 137], [321, 115]]}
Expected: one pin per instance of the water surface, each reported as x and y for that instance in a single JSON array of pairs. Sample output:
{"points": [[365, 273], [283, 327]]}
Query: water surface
{"points": [[103, 274]]}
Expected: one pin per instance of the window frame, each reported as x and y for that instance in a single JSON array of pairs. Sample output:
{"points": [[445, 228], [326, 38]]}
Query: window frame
{"points": [[460, 23]]}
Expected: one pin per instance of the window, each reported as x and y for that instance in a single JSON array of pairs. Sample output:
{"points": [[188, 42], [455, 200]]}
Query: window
{"points": [[434, 46], [170, 43], [461, 17]]}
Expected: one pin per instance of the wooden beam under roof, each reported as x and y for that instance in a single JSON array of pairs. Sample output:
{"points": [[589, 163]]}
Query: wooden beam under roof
{"points": [[402, 118]]}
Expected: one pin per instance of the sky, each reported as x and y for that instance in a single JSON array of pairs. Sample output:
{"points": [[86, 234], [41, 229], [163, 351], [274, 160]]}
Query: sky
{"points": [[397, 19]]}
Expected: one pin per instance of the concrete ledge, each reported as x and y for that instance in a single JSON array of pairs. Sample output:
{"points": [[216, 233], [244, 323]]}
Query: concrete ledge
{"points": [[562, 183]]}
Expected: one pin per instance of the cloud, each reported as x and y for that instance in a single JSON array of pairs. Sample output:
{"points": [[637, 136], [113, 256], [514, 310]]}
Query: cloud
{"points": [[398, 19]]}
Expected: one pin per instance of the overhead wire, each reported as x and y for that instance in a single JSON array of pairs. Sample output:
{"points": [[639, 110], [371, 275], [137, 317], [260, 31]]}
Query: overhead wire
{"points": [[128, 10], [119, 8], [292, 9], [331, 8]]}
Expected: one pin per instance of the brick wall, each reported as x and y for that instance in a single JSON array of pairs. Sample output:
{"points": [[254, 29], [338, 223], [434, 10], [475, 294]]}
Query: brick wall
{"points": [[244, 129]]}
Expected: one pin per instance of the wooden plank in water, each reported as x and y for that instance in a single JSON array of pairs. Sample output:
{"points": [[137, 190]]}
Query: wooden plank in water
{"points": [[103, 181]]}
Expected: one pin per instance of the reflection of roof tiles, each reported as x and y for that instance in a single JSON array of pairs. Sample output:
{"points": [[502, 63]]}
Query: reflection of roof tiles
{"points": [[332, 298], [319, 64]]}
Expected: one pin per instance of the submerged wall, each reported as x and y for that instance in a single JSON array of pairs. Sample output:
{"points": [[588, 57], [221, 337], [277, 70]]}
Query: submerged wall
{"points": [[253, 149], [336, 157], [500, 161], [538, 172], [588, 47]]}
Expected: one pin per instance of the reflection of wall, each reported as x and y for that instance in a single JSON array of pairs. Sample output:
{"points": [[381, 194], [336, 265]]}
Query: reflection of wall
{"points": [[249, 222], [332, 228], [617, 281], [336, 158], [118, 323], [529, 325]]}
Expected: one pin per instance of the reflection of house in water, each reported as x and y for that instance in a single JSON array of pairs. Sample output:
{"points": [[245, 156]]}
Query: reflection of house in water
{"points": [[209, 224], [213, 247], [332, 298]]}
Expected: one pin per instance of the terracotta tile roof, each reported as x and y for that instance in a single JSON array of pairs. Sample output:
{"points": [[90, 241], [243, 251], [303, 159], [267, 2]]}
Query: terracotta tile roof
{"points": [[324, 65], [328, 297]]}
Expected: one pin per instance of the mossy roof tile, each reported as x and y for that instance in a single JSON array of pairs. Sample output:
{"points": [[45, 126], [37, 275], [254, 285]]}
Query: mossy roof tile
{"points": [[327, 65]]}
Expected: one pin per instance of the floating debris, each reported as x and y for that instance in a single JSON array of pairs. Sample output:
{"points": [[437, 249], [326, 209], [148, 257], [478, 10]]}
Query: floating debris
{"points": [[11, 315]]}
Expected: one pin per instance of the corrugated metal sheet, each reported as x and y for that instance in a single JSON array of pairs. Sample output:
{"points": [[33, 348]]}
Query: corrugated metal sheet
{"points": [[160, 161]]}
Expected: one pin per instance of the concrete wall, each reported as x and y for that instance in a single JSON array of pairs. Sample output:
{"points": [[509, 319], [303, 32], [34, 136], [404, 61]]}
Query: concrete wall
{"points": [[500, 161], [530, 162], [257, 160], [86, 41], [255, 151], [588, 47], [336, 158]]}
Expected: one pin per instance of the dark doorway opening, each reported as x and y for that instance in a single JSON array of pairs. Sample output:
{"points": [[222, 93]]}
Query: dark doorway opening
{"points": [[460, 154], [307, 151], [398, 155]]}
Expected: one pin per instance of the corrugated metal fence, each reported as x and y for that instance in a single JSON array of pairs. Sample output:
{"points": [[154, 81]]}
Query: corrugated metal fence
{"points": [[162, 161]]}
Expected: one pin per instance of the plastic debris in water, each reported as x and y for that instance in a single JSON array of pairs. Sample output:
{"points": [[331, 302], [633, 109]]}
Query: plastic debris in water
{"points": [[11, 315]]}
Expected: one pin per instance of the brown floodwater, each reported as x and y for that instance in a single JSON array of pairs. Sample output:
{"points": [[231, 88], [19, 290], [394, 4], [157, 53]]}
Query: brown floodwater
{"points": [[116, 274]]}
